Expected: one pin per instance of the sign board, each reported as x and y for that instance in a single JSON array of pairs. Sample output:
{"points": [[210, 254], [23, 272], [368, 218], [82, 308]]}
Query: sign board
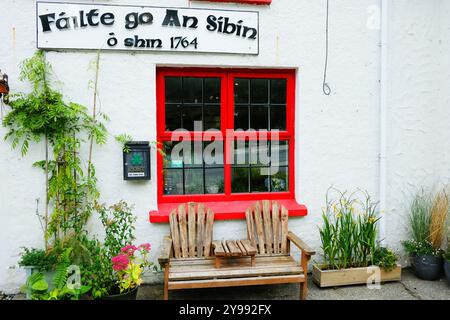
{"points": [[123, 27], [136, 160]]}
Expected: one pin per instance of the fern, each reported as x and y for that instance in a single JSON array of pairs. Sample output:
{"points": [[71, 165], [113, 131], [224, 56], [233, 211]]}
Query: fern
{"points": [[60, 278]]}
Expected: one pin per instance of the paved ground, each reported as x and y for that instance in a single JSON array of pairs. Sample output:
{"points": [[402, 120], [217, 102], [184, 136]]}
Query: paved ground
{"points": [[410, 288]]}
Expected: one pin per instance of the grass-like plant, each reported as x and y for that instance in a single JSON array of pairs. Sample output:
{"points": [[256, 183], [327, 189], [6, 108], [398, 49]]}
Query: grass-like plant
{"points": [[439, 211], [420, 217], [349, 231]]}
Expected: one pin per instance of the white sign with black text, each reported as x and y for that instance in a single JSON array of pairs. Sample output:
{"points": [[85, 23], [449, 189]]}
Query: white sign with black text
{"points": [[120, 27]]}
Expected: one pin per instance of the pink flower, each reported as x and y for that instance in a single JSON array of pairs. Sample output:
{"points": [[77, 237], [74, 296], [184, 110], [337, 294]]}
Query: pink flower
{"points": [[145, 247], [129, 249], [120, 262]]}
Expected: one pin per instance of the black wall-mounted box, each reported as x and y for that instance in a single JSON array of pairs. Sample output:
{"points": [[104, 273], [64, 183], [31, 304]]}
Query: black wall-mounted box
{"points": [[136, 160]]}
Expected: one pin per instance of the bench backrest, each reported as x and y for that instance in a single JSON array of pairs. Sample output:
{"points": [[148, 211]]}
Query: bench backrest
{"points": [[267, 227], [191, 227]]}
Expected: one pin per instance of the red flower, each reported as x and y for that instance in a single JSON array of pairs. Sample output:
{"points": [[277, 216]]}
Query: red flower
{"points": [[120, 262], [129, 249], [145, 247]]}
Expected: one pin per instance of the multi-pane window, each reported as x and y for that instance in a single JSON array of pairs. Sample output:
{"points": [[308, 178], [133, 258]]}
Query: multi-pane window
{"points": [[225, 134]]}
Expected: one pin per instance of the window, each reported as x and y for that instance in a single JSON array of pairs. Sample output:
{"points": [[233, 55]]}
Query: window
{"points": [[225, 134]]}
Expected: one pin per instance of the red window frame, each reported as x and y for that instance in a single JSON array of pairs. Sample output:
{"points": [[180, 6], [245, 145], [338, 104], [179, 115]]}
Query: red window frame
{"points": [[227, 122], [242, 1]]}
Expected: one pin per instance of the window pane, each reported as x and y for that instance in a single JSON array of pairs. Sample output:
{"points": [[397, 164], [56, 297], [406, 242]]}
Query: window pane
{"points": [[194, 154], [211, 92], [192, 90], [241, 153], [259, 92], [278, 91], [172, 159], [240, 179], [173, 89], [213, 154], [259, 118], [259, 153], [191, 114], [279, 179], [214, 180], [211, 115], [193, 181], [241, 91], [173, 181], [241, 117], [279, 153], [173, 117], [259, 180], [277, 117]]}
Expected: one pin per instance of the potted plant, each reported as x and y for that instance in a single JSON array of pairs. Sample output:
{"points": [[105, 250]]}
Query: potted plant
{"points": [[428, 213], [129, 266], [350, 251]]}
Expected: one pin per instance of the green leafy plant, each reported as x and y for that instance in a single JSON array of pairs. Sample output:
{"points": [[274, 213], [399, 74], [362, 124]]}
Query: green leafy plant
{"points": [[385, 258], [43, 114], [427, 221], [40, 259], [348, 234], [36, 286]]}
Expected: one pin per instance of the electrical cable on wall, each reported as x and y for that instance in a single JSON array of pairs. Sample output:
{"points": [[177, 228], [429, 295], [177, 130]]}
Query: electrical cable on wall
{"points": [[325, 87]]}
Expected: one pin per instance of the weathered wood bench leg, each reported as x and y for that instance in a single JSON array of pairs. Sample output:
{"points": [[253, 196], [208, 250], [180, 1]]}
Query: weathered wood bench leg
{"points": [[303, 290], [166, 282], [253, 260], [304, 285]]}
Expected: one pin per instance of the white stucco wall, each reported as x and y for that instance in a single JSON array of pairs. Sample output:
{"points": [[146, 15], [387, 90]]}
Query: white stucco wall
{"points": [[337, 139]]}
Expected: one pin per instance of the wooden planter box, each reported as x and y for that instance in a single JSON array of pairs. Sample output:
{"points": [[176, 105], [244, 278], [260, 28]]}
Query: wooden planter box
{"points": [[343, 277]]}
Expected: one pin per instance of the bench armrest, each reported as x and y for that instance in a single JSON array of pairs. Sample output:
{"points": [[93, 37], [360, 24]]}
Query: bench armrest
{"points": [[300, 244], [166, 249]]}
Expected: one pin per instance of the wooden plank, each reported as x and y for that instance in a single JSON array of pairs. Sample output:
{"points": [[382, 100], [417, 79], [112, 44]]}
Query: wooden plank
{"points": [[284, 229], [276, 227], [217, 283], [218, 248], [259, 227], [262, 259], [267, 225], [234, 249], [200, 229], [332, 278], [166, 248], [225, 248], [250, 226], [183, 230], [191, 229], [251, 249], [241, 247], [242, 272], [175, 233], [208, 232]]}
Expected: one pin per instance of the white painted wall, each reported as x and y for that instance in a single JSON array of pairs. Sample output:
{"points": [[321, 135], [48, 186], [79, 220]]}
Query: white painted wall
{"points": [[337, 135]]}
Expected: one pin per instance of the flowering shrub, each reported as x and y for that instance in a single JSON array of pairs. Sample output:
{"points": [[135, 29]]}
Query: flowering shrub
{"points": [[413, 247], [129, 266]]}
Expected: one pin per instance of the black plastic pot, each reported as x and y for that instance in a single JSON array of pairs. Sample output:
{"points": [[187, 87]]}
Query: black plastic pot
{"points": [[447, 270], [427, 267], [130, 295]]}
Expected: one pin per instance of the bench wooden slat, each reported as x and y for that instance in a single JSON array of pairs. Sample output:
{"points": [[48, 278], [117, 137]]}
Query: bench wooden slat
{"points": [[208, 231], [276, 228], [175, 233], [250, 226], [261, 259], [233, 282], [183, 230], [218, 248], [267, 225], [248, 246], [284, 229], [191, 229], [232, 265], [241, 247], [200, 229], [259, 227], [234, 249]]}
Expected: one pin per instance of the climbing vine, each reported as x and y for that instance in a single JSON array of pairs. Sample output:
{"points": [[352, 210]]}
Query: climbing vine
{"points": [[43, 114]]}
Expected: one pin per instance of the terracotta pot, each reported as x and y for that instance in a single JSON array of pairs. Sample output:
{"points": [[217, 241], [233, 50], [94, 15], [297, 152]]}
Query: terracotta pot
{"points": [[130, 295]]}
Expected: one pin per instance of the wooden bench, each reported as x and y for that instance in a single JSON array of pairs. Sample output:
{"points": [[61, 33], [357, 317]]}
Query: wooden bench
{"points": [[187, 254]]}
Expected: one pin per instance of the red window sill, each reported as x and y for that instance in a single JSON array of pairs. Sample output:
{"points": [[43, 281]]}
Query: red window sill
{"points": [[242, 1], [226, 210]]}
